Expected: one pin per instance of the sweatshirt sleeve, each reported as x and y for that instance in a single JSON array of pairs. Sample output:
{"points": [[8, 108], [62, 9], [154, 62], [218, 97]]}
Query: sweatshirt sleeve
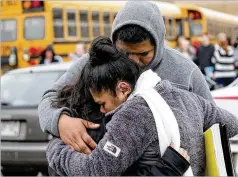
{"points": [[199, 85], [129, 133], [49, 115], [213, 114]]}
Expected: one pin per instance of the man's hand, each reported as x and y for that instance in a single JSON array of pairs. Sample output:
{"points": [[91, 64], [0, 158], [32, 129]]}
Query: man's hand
{"points": [[182, 152], [73, 132]]}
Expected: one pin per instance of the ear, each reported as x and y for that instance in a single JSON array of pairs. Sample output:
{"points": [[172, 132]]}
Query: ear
{"points": [[124, 88]]}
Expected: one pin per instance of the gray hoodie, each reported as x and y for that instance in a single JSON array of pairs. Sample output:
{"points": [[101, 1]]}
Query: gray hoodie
{"points": [[167, 62], [132, 136]]}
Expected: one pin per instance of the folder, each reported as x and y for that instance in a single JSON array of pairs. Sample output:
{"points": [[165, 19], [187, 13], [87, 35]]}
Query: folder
{"points": [[218, 153]]}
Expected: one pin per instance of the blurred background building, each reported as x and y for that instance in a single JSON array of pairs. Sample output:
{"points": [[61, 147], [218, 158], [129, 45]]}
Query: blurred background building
{"points": [[230, 7]]}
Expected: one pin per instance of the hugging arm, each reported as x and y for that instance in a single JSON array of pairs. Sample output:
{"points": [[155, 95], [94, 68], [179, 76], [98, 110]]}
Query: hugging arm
{"points": [[213, 114], [128, 136]]}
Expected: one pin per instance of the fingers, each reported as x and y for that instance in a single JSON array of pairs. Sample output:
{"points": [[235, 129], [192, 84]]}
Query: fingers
{"points": [[172, 145], [83, 148], [75, 145], [90, 125], [79, 145], [89, 141], [184, 154], [74, 134], [71, 147]]}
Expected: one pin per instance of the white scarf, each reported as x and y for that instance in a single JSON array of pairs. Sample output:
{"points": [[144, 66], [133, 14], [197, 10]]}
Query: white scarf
{"points": [[166, 123]]}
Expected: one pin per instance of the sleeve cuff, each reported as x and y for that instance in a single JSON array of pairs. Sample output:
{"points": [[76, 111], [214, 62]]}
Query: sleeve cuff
{"points": [[176, 160]]}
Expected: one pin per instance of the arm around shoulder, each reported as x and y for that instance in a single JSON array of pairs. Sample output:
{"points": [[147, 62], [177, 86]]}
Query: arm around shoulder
{"points": [[213, 114], [49, 115]]}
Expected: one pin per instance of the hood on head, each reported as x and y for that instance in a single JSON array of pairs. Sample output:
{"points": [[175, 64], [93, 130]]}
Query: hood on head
{"points": [[147, 15]]}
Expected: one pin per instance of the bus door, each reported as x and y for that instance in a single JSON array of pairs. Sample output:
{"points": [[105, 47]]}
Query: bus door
{"points": [[10, 42], [37, 31], [37, 34], [10, 23]]}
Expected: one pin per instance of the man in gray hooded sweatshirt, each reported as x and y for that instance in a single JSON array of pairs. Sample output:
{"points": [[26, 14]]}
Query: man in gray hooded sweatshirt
{"points": [[139, 31]]}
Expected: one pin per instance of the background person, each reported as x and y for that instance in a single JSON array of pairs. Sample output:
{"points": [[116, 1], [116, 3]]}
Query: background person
{"points": [[48, 56], [236, 54], [205, 53], [223, 61], [79, 52]]}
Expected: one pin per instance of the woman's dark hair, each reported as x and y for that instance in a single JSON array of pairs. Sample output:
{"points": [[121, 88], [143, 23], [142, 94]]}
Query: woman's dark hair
{"points": [[106, 66], [48, 48]]}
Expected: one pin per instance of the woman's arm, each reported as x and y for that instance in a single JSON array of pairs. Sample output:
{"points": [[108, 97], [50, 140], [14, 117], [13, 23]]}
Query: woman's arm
{"points": [[213, 114], [129, 133]]}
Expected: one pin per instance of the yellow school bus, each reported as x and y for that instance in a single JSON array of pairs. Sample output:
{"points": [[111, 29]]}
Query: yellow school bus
{"points": [[202, 20], [29, 26]]}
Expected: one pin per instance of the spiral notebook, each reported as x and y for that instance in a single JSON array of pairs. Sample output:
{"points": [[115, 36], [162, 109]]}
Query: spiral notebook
{"points": [[218, 153]]}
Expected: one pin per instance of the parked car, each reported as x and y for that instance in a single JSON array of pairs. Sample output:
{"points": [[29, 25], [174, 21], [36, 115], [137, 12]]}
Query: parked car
{"points": [[227, 97], [23, 143]]}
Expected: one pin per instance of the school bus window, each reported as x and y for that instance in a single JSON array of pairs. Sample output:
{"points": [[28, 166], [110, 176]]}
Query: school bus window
{"points": [[170, 27], [106, 20], [84, 24], [179, 27], [210, 27], [195, 28], [72, 28], [8, 30], [58, 23], [96, 25], [34, 28]]}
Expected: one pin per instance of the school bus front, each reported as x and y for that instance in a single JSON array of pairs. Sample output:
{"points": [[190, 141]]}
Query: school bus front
{"points": [[23, 32]]}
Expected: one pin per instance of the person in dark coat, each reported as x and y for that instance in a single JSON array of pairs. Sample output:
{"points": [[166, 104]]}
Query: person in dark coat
{"points": [[48, 56], [205, 53]]}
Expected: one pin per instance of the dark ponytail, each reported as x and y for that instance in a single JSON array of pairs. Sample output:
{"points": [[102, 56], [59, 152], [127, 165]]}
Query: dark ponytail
{"points": [[102, 51], [107, 65]]}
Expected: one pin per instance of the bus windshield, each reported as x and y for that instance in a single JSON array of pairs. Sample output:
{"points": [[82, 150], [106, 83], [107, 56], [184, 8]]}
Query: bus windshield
{"points": [[8, 30]]}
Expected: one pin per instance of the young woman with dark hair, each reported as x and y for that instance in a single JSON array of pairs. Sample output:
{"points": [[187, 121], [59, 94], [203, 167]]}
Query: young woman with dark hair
{"points": [[48, 56], [132, 137]]}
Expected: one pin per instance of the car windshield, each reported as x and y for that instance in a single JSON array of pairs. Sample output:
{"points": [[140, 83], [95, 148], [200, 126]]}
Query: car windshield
{"points": [[26, 89]]}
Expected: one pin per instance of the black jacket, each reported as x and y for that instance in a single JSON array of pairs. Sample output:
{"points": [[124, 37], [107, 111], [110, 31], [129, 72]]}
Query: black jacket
{"points": [[204, 56]]}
